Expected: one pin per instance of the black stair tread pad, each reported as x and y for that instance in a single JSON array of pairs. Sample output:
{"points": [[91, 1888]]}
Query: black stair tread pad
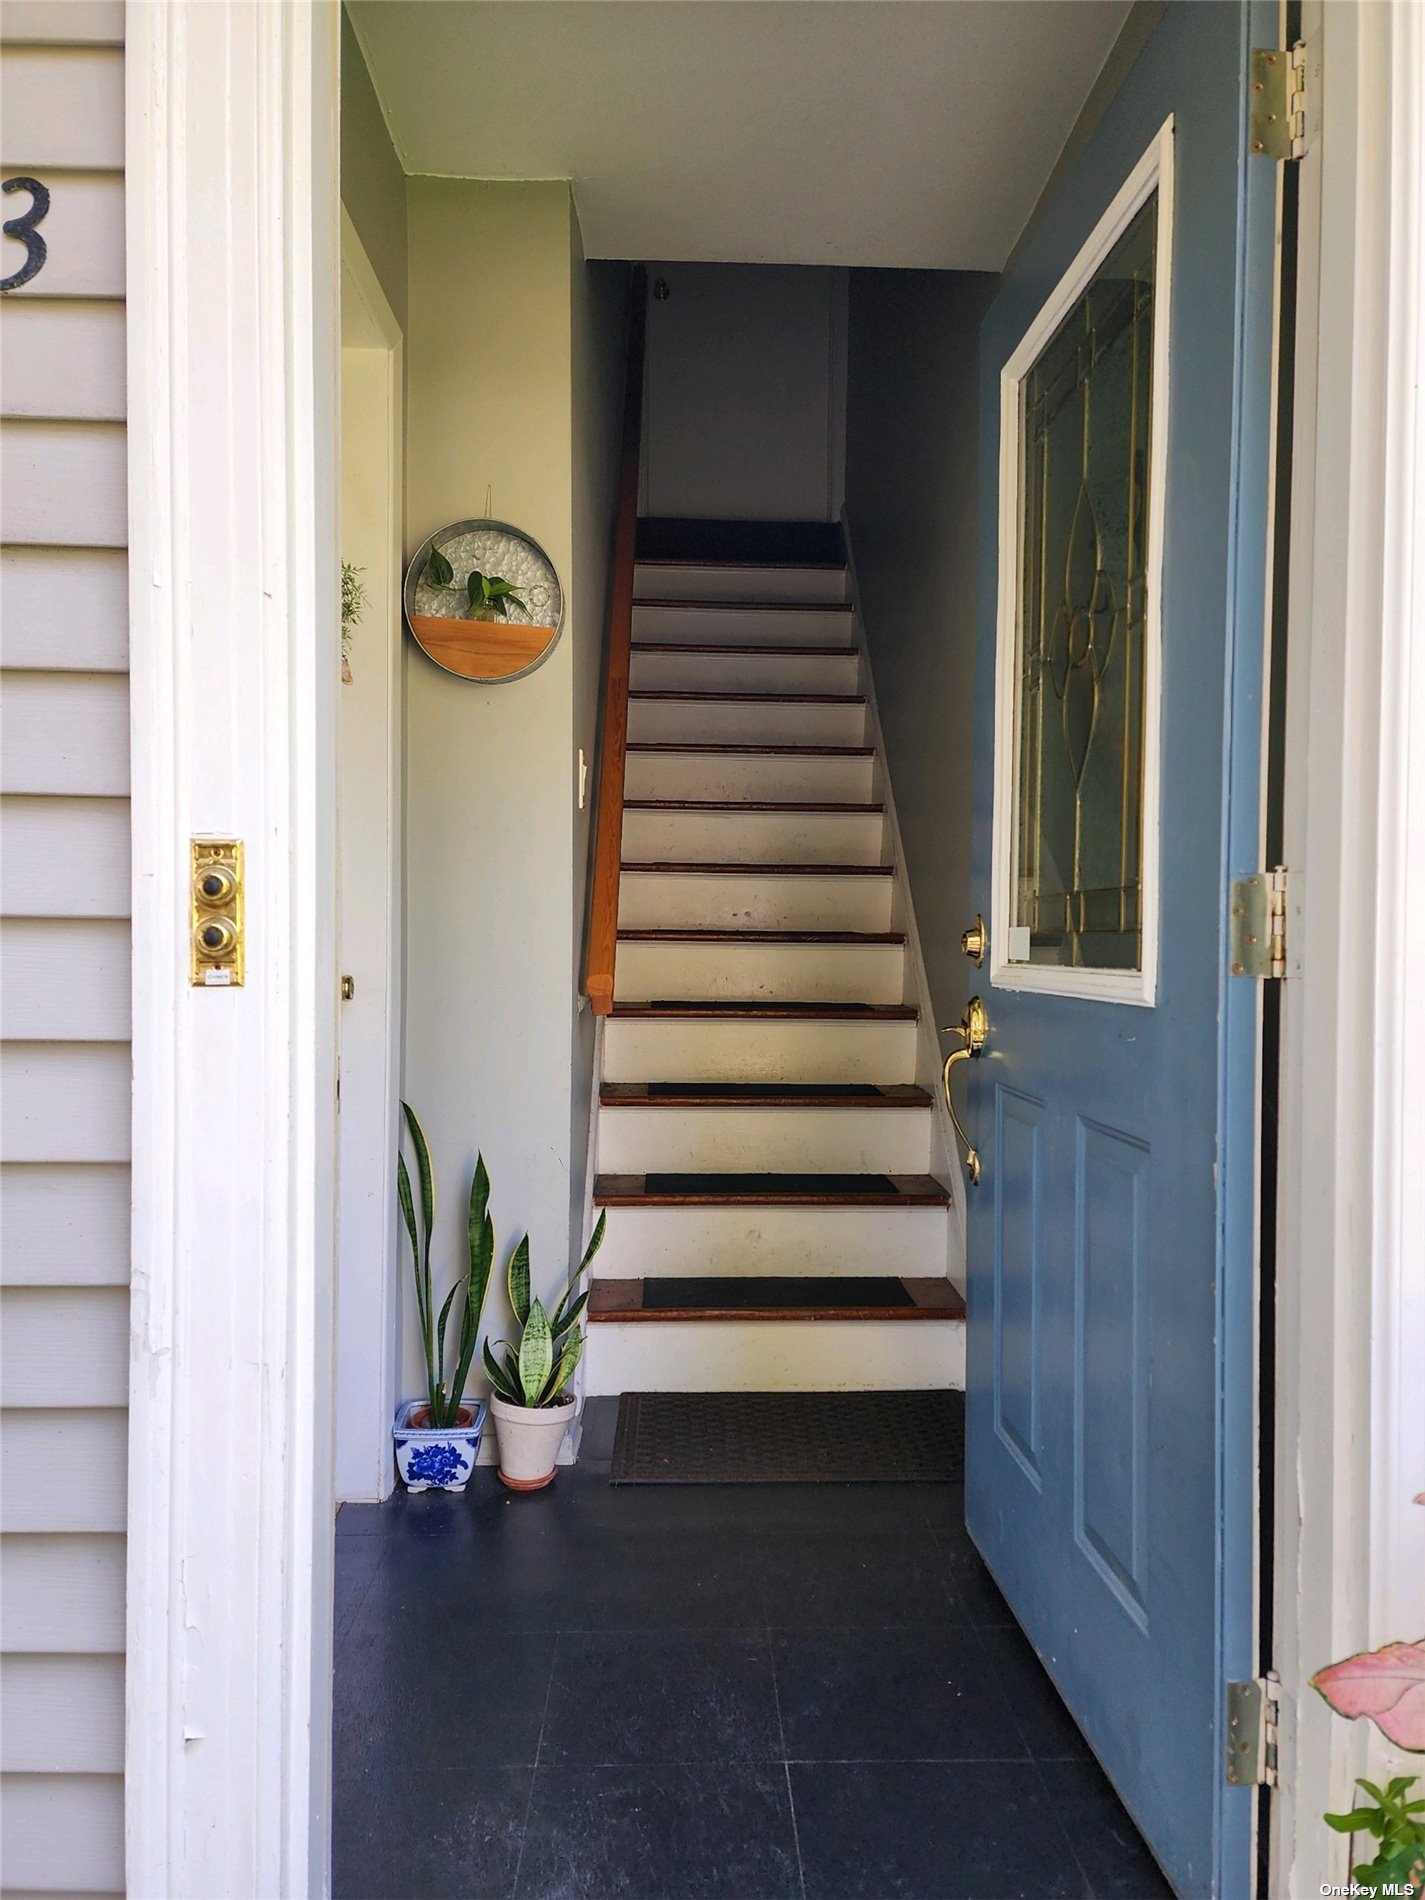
{"points": [[755, 543], [838, 1184], [759, 1005], [734, 1090], [758, 1293], [789, 1437]]}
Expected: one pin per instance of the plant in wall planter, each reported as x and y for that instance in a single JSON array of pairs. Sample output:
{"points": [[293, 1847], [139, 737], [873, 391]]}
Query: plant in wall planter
{"points": [[488, 597], [438, 1437], [530, 1400]]}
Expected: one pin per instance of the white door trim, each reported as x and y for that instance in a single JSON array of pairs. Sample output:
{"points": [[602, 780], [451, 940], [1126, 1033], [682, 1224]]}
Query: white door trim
{"points": [[1350, 1419], [232, 256], [368, 1305], [1153, 172]]}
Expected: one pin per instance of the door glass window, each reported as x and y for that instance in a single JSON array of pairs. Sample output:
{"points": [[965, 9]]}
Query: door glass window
{"points": [[1084, 459]]}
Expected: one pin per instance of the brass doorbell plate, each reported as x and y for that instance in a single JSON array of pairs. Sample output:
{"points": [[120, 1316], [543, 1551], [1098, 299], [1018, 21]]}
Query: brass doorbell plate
{"points": [[216, 915]]}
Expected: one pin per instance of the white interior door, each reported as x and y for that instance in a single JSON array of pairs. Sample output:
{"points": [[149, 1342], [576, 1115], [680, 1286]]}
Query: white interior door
{"points": [[368, 1304]]}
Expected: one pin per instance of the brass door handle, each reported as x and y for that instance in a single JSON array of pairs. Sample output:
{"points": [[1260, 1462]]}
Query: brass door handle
{"points": [[974, 940], [974, 1026]]}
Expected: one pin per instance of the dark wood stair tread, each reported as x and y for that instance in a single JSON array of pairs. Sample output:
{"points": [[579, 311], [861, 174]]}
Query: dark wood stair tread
{"points": [[763, 1095], [741, 747], [862, 809], [674, 935], [771, 1190], [660, 1008], [742, 867], [781, 1297]]}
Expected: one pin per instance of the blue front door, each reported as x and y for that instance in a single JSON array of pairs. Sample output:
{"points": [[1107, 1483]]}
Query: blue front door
{"points": [[1127, 365]]}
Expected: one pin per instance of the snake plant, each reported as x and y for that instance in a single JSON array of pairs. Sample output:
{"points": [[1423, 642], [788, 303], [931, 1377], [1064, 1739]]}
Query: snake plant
{"points": [[445, 1396], [535, 1372]]}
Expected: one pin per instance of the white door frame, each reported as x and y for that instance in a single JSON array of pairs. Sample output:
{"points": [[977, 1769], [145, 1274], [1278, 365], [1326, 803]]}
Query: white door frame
{"points": [[233, 558], [368, 1309], [1350, 1417]]}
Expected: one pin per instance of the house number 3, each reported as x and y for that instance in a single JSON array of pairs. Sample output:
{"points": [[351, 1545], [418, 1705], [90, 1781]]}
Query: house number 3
{"points": [[23, 228]]}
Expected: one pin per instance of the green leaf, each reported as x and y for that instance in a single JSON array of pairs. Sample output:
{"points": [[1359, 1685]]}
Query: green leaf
{"points": [[421, 1252], [596, 1240], [475, 587], [439, 572], [564, 1371], [497, 586], [536, 1353], [562, 1321], [499, 1379], [497, 606], [480, 1232], [1356, 1822], [440, 1351], [517, 1277]]}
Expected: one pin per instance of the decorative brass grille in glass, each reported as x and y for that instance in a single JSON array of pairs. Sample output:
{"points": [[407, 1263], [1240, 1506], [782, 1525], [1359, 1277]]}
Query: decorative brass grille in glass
{"points": [[1084, 460]]}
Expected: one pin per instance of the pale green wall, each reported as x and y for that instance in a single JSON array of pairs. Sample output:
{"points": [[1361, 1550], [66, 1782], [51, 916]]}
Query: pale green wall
{"points": [[912, 475], [507, 385], [373, 186]]}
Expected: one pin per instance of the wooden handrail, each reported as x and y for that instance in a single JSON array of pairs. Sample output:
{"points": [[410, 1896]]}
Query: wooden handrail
{"points": [[608, 817]]}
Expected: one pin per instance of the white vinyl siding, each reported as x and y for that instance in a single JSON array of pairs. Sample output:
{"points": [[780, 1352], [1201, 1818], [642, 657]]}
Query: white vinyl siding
{"points": [[65, 1081]]}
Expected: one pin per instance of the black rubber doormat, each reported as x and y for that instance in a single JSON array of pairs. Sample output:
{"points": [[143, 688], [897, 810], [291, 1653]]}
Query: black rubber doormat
{"points": [[789, 1438]]}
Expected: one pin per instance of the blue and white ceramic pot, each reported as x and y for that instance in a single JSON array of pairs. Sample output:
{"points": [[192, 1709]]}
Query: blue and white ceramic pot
{"points": [[436, 1460]]}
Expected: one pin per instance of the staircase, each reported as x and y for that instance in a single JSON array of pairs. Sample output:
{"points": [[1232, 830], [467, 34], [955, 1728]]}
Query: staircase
{"points": [[766, 1153]]}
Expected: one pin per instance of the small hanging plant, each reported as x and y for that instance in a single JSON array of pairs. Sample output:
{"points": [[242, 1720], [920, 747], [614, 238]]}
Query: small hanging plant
{"points": [[489, 597], [353, 605]]}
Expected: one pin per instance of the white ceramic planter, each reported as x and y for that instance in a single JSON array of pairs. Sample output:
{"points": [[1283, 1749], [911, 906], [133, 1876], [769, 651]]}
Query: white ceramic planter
{"points": [[437, 1460], [529, 1441]]}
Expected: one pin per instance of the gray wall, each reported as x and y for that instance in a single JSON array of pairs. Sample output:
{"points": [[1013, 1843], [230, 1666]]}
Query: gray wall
{"points": [[911, 491], [373, 185], [64, 968], [744, 413]]}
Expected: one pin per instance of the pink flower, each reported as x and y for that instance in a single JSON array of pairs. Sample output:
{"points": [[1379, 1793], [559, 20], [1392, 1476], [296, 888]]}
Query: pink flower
{"points": [[1386, 1684]]}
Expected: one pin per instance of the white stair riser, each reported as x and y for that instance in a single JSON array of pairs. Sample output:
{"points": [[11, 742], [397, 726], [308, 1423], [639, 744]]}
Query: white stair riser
{"points": [[775, 1356], [764, 1140], [748, 775], [747, 721], [758, 1049], [648, 1241], [776, 972], [676, 580], [762, 837], [745, 626], [650, 900], [748, 672]]}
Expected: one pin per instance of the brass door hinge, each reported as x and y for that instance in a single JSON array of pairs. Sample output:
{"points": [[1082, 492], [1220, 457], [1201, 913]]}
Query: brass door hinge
{"points": [[1252, 1732], [1277, 89], [1257, 936]]}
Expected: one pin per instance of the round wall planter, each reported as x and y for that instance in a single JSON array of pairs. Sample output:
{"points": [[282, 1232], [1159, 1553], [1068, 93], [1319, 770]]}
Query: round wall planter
{"points": [[530, 1438], [436, 1460]]}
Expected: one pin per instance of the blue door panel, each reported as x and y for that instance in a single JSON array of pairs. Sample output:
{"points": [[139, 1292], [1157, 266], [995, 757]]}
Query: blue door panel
{"points": [[1111, 1430]]}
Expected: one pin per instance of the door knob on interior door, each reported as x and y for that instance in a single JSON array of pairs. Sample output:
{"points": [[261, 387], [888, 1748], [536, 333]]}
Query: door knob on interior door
{"points": [[974, 1027], [974, 941]]}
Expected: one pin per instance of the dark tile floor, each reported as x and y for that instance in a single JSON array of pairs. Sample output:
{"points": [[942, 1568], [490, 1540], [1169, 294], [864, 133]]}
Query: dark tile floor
{"points": [[742, 1693]]}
